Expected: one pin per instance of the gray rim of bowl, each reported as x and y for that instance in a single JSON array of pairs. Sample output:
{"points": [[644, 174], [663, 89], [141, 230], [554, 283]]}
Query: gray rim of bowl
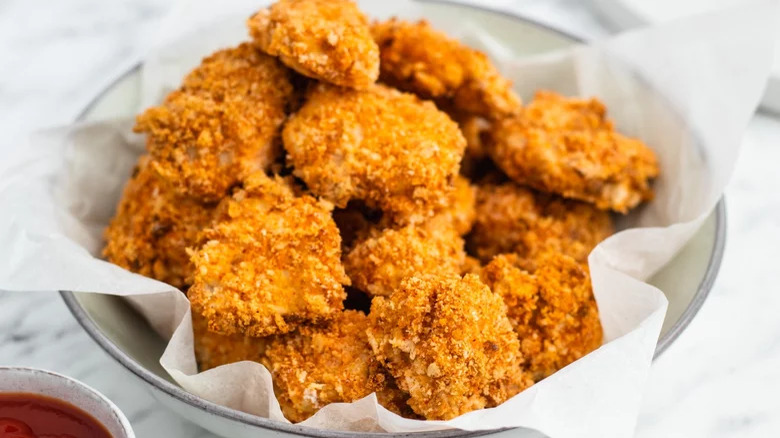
{"points": [[183, 396]]}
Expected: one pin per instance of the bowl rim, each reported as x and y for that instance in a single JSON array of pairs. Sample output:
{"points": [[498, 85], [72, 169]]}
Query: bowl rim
{"points": [[119, 416], [181, 395]]}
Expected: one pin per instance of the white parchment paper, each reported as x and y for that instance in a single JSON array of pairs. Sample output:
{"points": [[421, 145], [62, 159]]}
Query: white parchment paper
{"points": [[686, 88]]}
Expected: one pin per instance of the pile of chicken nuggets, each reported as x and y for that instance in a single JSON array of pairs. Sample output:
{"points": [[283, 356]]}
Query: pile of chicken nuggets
{"points": [[369, 208]]}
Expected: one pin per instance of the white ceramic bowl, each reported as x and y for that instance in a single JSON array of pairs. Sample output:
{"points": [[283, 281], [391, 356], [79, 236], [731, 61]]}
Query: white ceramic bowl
{"points": [[120, 331], [47, 383]]}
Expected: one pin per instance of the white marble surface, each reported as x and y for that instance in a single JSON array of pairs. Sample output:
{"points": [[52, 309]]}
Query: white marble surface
{"points": [[720, 378]]}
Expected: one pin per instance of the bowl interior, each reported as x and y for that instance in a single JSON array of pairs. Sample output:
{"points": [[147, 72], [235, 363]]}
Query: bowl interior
{"points": [[685, 280]]}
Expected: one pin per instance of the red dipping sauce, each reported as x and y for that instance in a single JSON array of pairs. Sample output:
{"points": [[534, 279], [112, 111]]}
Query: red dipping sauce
{"points": [[25, 415]]}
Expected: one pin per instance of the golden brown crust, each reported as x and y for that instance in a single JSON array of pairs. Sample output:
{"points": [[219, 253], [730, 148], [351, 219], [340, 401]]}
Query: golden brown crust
{"points": [[551, 307], [379, 262], [221, 125], [461, 212], [456, 209], [514, 219], [568, 146], [387, 148], [153, 227], [213, 350], [329, 40], [271, 261], [315, 366], [448, 343], [417, 58]]}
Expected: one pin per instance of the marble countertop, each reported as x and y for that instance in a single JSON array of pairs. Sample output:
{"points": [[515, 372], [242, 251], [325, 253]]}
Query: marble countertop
{"points": [[720, 378]]}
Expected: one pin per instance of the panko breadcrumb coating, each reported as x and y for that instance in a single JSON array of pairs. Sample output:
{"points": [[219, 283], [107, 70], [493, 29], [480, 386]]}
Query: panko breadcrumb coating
{"points": [[271, 261], [315, 366], [457, 208], [329, 40], [551, 306], [417, 58], [514, 219], [152, 228], [378, 263], [393, 151], [448, 343], [221, 125], [568, 146], [461, 211], [213, 350]]}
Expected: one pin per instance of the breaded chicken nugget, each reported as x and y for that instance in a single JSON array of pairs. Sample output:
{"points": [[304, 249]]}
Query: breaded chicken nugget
{"points": [[152, 228], [378, 263], [417, 58], [272, 260], [448, 343], [393, 151], [514, 219], [221, 125], [315, 366], [213, 350], [329, 40], [551, 306], [568, 146]]}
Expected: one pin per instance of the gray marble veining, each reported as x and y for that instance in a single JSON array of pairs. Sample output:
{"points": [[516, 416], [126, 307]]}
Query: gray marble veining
{"points": [[720, 378]]}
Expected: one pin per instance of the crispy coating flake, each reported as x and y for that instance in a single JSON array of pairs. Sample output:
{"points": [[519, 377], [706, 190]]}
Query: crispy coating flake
{"points": [[329, 40], [514, 219], [221, 125], [378, 263], [387, 148], [152, 228], [213, 350], [568, 146], [315, 366], [551, 306], [417, 58], [448, 343], [272, 260]]}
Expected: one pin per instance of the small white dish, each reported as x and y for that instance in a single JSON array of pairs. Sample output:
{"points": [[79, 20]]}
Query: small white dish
{"points": [[47, 383]]}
